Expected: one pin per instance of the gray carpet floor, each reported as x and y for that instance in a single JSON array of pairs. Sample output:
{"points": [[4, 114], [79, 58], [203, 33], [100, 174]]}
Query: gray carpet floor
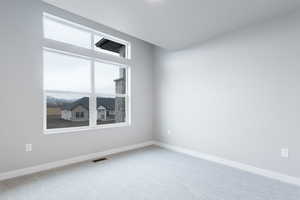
{"points": [[152, 174]]}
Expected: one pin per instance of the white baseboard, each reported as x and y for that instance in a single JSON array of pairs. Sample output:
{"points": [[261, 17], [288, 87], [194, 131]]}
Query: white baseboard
{"points": [[56, 164], [234, 164]]}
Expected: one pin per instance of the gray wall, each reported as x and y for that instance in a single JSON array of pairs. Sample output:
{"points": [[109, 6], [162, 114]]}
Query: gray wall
{"points": [[21, 100], [236, 97]]}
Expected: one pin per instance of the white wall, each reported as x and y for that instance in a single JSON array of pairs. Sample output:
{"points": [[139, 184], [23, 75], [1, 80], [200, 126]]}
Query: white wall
{"points": [[236, 97], [21, 100]]}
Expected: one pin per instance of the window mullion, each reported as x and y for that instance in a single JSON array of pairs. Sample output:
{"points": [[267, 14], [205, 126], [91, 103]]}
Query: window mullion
{"points": [[93, 105], [127, 109]]}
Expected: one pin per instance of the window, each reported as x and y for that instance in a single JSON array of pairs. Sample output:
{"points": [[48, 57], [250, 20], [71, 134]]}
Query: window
{"points": [[83, 91], [63, 31], [115, 111], [63, 110], [56, 30], [79, 115], [109, 79], [66, 73]]}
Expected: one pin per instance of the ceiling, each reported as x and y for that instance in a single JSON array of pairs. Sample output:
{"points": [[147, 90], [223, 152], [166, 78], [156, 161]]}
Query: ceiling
{"points": [[175, 24]]}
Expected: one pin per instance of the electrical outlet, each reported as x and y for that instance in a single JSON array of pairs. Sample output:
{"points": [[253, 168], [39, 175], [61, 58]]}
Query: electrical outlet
{"points": [[285, 152], [169, 132], [28, 147]]}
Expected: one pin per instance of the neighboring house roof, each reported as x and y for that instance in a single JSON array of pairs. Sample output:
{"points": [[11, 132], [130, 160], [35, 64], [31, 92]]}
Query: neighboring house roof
{"points": [[108, 103]]}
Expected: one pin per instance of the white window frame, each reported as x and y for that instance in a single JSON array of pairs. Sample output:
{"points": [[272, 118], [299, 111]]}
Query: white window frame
{"points": [[93, 56]]}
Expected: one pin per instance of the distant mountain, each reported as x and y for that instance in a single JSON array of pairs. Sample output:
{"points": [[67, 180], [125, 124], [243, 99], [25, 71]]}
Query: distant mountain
{"points": [[58, 102]]}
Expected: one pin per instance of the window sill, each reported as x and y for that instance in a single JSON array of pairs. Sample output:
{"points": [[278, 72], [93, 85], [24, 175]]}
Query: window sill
{"points": [[80, 130]]}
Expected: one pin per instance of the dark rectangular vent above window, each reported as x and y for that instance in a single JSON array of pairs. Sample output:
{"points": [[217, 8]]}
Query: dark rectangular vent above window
{"points": [[110, 45], [99, 160]]}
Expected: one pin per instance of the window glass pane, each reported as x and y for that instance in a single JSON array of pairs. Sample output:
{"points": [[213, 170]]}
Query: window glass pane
{"points": [[67, 34], [109, 79], [111, 110], [65, 111], [109, 46], [66, 73]]}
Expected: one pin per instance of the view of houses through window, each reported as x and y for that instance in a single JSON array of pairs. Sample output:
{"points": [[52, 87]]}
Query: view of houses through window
{"points": [[63, 112], [82, 91]]}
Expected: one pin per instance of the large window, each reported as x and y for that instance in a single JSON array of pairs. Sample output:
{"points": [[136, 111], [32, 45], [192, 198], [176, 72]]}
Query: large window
{"points": [[81, 89]]}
